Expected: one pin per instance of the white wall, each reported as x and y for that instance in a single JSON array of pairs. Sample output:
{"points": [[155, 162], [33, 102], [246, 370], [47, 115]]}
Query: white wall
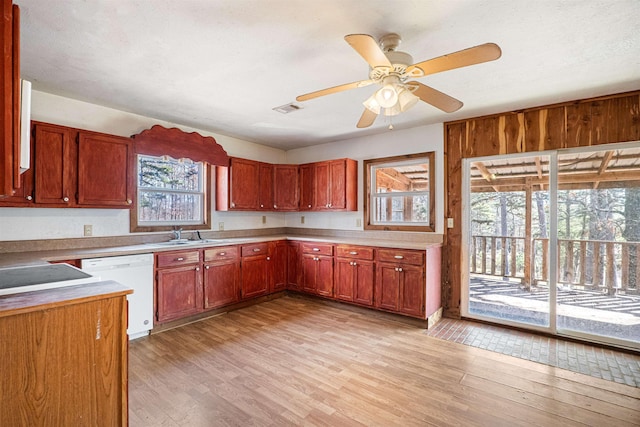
{"points": [[41, 223], [391, 143]]}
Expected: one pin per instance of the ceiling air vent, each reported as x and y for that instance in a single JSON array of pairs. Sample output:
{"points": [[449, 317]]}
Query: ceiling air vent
{"points": [[287, 108]]}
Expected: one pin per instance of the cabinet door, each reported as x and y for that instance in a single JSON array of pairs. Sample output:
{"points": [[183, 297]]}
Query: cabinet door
{"points": [[412, 287], [294, 269], [363, 282], [324, 276], [307, 187], [179, 292], [387, 287], [265, 182], [255, 281], [54, 168], [309, 269], [322, 186], [244, 188], [221, 284], [344, 279], [278, 267], [338, 184], [9, 93], [104, 170], [285, 187]]}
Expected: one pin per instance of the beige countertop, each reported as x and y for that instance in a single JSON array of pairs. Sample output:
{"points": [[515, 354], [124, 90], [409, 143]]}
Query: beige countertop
{"points": [[11, 259]]}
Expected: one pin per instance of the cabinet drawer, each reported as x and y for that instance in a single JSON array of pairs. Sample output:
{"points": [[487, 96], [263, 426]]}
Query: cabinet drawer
{"points": [[401, 256], [317, 248], [221, 253], [168, 259], [356, 252], [255, 249]]}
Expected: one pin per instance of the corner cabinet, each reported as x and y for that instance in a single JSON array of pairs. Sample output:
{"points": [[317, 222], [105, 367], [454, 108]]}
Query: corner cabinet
{"points": [[76, 168], [329, 186]]}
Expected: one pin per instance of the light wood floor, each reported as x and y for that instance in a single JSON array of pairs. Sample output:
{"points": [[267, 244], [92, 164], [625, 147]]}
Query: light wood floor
{"points": [[296, 361]]}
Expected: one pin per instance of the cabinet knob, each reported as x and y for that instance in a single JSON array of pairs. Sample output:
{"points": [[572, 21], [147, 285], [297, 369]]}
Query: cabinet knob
{"points": [[275, 206], [309, 206], [268, 258], [355, 263], [129, 201], [330, 205], [29, 198], [65, 199], [197, 268], [261, 205], [206, 267], [400, 269], [233, 205]]}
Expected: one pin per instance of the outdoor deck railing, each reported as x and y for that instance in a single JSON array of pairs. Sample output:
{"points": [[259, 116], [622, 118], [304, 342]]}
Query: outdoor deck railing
{"points": [[588, 264]]}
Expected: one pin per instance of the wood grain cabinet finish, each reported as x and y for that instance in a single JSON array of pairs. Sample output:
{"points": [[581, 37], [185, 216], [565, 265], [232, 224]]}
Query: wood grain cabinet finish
{"points": [[105, 166], [237, 185], [55, 166], [286, 188], [64, 359], [221, 276], [10, 95], [254, 268], [178, 285], [307, 176], [354, 274], [317, 268], [265, 187], [278, 266], [329, 185], [294, 266]]}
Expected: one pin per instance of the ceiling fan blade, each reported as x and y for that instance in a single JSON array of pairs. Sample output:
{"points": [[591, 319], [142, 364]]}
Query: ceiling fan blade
{"points": [[463, 58], [369, 49], [436, 98], [367, 119], [335, 89]]}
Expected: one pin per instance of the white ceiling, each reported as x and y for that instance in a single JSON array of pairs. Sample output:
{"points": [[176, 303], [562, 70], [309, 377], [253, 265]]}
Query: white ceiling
{"points": [[223, 65]]}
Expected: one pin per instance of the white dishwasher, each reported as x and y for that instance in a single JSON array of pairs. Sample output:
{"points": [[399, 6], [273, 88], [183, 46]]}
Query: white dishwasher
{"points": [[135, 272]]}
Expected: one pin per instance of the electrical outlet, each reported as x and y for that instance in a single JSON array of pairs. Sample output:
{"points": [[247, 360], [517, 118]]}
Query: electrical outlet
{"points": [[264, 219], [88, 230], [449, 222], [302, 219], [221, 226], [358, 222]]}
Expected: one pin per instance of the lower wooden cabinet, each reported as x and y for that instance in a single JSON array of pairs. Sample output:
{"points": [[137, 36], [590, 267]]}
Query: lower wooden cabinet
{"points": [[179, 292], [254, 269], [317, 268], [294, 267], [354, 274], [221, 276], [278, 266]]}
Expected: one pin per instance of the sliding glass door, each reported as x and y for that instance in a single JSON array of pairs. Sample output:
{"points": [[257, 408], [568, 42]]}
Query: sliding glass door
{"points": [[554, 241]]}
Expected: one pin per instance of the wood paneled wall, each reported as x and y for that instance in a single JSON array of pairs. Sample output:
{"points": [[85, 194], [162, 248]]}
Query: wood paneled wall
{"points": [[610, 119]]}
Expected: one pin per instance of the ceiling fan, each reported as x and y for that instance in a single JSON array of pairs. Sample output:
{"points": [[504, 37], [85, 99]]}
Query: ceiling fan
{"points": [[393, 69]]}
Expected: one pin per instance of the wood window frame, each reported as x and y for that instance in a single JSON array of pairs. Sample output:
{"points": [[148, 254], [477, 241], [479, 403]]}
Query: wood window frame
{"points": [[367, 165]]}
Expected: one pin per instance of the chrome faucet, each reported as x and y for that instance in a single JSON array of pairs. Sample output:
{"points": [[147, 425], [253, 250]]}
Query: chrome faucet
{"points": [[177, 233]]}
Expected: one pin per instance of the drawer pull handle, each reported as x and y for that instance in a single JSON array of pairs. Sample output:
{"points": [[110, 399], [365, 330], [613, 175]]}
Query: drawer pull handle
{"points": [[179, 259], [256, 249], [222, 253], [398, 257], [353, 253], [316, 249]]}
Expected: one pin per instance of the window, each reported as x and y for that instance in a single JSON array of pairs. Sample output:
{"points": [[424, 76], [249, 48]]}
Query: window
{"points": [[170, 193], [400, 193]]}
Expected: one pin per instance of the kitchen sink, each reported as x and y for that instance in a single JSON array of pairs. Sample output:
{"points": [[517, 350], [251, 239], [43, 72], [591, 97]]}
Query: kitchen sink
{"points": [[185, 242]]}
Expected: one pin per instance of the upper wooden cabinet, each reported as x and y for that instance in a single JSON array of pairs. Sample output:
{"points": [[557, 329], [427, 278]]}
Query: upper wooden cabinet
{"points": [[76, 168], [329, 186], [10, 95], [105, 170], [255, 186], [286, 191]]}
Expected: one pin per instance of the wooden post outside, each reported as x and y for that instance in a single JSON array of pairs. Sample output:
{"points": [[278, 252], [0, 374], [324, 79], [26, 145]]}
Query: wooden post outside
{"points": [[528, 258], [583, 255], [513, 256], [624, 278], [610, 265]]}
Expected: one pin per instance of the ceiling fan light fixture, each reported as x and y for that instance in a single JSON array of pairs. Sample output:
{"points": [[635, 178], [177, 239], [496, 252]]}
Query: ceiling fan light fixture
{"points": [[387, 97], [393, 110], [372, 105], [406, 99]]}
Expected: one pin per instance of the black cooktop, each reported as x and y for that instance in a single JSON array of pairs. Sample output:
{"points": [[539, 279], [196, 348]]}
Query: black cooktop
{"points": [[40, 274]]}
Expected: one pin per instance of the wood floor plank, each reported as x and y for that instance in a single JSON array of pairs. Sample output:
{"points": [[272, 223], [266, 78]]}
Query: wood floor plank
{"points": [[296, 361]]}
